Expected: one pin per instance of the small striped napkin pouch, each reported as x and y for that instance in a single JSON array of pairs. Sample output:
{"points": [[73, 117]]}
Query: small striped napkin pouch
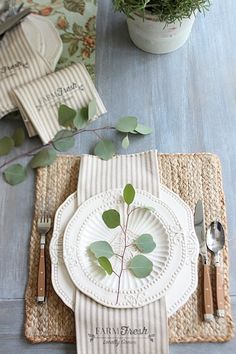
{"points": [[19, 63], [39, 100]]}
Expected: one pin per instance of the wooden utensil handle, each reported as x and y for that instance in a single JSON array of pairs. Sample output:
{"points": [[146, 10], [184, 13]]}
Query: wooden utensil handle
{"points": [[208, 301], [41, 275], [220, 291]]}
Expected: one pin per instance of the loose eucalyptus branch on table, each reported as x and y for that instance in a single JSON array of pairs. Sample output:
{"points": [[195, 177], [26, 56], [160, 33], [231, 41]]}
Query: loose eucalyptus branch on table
{"points": [[73, 123], [139, 265]]}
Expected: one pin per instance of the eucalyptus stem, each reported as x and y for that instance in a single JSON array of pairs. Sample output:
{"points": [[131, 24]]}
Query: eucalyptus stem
{"points": [[136, 208], [139, 265], [28, 153], [38, 148], [124, 229]]}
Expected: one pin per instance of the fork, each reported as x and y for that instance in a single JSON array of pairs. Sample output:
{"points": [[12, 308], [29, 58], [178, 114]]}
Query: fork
{"points": [[44, 225]]}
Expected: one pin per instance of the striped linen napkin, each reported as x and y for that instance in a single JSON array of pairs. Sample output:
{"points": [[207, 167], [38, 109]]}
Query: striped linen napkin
{"points": [[19, 64], [100, 329], [39, 100]]}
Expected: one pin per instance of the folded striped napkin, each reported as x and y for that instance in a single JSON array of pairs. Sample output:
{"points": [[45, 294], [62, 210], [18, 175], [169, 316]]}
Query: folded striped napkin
{"points": [[39, 100], [19, 64], [106, 330]]}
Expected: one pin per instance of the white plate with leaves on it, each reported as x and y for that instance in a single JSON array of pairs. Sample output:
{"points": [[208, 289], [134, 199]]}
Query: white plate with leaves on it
{"points": [[184, 284], [124, 252]]}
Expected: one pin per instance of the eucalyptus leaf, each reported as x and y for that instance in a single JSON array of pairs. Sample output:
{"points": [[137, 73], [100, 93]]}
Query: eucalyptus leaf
{"points": [[6, 145], [145, 243], [111, 218], [18, 136], [15, 174], [63, 140], [81, 118], [105, 264], [140, 266], [129, 194], [125, 142], [43, 158], [66, 116], [143, 129], [92, 109], [105, 149], [101, 249], [127, 124]]}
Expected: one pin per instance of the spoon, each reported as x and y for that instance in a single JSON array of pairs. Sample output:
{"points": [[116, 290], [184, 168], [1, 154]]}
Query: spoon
{"points": [[215, 243]]}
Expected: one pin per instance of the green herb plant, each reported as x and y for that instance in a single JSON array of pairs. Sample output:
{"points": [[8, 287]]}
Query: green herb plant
{"points": [[139, 265], [167, 11], [73, 123]]}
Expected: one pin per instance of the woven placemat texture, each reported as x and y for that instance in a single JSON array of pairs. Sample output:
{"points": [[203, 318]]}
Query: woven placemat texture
{"points": [[193, 177]]}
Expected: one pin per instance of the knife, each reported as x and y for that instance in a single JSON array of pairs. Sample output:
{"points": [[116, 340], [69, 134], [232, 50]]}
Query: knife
{"points": [[199, 224]]}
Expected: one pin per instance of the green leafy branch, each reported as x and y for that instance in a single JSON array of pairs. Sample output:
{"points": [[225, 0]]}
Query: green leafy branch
{"points": [[139, 265], [74, 122]]}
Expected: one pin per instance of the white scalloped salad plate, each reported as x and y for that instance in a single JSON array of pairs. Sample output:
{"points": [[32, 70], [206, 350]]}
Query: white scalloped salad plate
{"points": [[87, 226], [182, 287]]}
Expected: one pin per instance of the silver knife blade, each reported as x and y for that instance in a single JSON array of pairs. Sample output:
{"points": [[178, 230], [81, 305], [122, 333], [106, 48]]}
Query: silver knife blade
{"points": [[199, 225]]}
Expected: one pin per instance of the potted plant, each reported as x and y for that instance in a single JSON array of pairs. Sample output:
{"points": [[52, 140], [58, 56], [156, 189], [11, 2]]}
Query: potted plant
{"points": [[160, 26]]}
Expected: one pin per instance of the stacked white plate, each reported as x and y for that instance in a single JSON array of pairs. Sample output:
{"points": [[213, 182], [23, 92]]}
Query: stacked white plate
{"points": [[174, 259], [43, 38]]}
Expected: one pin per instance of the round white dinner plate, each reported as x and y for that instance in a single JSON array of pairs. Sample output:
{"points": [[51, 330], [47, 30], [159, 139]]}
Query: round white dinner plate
{"points": [[185, 282], [87, 226], [43, 38]]}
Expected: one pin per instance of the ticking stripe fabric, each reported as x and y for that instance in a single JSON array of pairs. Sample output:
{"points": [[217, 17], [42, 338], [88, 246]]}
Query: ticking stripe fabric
{"points": [[38, 101], [100, 329], [19, 64]]}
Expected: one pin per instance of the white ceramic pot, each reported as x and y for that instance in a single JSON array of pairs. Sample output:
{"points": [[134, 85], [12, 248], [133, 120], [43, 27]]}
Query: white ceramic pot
{"points": [[156, 37]]}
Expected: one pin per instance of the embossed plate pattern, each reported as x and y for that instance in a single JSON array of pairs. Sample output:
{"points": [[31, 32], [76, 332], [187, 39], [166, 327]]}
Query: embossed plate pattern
{"points": [[87, 226], [186, 280]]}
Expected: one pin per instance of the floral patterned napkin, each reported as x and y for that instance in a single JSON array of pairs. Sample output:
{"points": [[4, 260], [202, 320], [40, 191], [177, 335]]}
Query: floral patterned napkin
{"points": [[76, 23]]}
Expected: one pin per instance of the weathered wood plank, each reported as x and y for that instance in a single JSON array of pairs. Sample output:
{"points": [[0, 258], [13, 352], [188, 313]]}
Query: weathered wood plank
{"points": [[187, 96]]}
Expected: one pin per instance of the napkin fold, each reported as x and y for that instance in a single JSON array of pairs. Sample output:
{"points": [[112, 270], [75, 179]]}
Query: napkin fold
{"points": [[19, 64], [39, 100], [100, 329]]}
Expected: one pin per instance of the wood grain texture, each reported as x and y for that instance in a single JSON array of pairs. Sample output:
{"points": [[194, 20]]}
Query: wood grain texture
{"points": [[41, 275], [188, 97], [208, 299], [220, 291]]}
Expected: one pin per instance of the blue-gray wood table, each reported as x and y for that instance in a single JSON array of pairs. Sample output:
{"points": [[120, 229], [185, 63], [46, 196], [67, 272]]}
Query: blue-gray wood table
{"points": [[188, 97]]}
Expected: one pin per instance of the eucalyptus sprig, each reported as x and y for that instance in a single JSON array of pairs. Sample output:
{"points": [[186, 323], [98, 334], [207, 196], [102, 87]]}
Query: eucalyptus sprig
{"points": [[167, 11], [73, 123], [139, 265]]}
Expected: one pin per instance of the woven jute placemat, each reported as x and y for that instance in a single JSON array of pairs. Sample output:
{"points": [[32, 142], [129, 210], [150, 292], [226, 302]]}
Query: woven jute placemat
{"points": [[193, 177]]}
